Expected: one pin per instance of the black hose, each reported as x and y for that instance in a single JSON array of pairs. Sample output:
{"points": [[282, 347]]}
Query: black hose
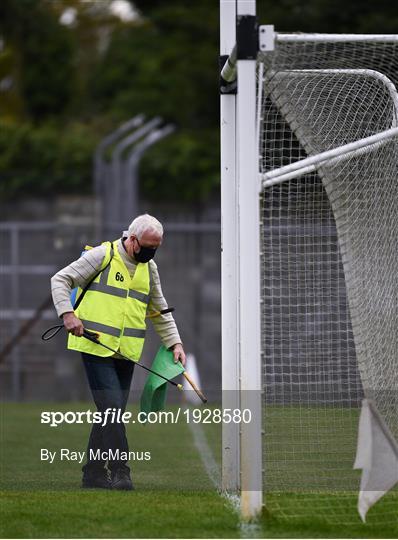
{"points": [[93, 337]]}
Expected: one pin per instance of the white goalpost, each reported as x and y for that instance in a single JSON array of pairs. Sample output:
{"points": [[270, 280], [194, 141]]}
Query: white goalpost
{"points": [[309, 182], [240, 261]]}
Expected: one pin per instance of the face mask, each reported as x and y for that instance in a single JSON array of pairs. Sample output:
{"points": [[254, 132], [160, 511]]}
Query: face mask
{"points": [[145, 254]]}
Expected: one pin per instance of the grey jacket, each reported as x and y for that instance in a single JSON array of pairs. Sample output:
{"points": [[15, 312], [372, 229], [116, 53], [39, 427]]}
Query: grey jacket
{"points": [[79, 273]]}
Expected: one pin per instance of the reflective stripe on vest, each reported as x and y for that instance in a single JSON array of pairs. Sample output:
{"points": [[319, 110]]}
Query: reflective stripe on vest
{"points": [[115, 307]]}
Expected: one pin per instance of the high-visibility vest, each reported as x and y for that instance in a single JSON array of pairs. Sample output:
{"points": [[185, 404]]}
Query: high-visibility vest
{"points": [[115, 306]]}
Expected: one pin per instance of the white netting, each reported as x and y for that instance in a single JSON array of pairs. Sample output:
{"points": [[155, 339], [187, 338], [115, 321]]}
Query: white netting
{"points": [[329, 270]]}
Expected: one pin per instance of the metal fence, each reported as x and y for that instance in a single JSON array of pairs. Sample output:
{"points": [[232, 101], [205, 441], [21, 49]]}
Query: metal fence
{"points": [[32, 251]]}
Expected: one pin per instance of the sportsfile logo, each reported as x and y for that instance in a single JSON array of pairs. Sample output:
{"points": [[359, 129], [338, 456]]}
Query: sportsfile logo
{"points": [[109, 416], [116, 416]]}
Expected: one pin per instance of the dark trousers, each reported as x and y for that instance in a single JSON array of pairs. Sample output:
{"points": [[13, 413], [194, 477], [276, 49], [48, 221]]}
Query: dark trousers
{"points": [[109, 379]]}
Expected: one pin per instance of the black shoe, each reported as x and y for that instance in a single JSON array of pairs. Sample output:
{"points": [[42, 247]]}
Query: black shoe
{"points": [[121, 480], [97, 480]]}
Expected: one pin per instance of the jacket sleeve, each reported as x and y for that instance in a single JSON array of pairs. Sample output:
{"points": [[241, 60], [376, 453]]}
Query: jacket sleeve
{"points": [[164, 325], [76, 274]]}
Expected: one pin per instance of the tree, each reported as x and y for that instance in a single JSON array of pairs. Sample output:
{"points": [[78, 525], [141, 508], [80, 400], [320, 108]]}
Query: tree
{"points": [[43, 56], [80, 81]]}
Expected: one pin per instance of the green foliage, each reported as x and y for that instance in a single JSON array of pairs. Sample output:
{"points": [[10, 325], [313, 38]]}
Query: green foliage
{"points": [[339, 16], [44, 160], [99, 72], [173, 55], [43, 64], [170, 70], [184, 166]]}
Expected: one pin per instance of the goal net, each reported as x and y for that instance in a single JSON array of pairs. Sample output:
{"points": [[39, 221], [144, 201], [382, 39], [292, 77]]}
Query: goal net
{"points": [[329, 285]]}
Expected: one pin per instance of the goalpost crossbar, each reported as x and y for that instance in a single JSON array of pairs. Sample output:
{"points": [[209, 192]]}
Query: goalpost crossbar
{"points": [[336, 38], [310, 164]]}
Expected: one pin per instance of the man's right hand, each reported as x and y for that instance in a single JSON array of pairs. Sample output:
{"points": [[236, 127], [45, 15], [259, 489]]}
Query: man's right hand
{"points": [[72, 324]]}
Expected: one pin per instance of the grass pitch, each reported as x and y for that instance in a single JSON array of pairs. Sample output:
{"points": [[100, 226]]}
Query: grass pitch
{"points": [[174, 496]]}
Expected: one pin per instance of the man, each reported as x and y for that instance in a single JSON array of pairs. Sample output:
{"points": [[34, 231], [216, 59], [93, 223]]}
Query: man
{"points": [[126, 287]]}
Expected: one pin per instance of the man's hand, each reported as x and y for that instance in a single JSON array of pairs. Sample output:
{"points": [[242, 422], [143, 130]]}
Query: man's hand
{"points": [[72, 324], [179, 354]]}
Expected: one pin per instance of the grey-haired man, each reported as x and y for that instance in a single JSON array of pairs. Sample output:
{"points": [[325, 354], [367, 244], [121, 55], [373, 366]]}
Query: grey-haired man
{"points": [[128, 297]]}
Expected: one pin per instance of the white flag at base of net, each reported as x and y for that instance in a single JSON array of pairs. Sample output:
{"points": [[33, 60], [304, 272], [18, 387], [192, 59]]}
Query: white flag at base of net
{"points": [[377, 456]]}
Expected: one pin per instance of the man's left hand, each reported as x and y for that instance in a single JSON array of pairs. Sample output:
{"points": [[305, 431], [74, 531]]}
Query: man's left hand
{"points": [[179, 354]]}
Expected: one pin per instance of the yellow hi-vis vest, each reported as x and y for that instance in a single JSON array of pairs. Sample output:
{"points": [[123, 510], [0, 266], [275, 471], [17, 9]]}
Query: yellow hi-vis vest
{"points": [[115, 306]]}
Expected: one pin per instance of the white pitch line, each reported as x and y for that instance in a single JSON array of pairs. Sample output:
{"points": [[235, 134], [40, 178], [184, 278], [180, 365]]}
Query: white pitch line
{"points": [[247, 529], [206, 455]]}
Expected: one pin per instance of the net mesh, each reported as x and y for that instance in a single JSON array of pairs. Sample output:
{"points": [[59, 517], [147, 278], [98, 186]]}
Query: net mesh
{"points": [[329, 271]]}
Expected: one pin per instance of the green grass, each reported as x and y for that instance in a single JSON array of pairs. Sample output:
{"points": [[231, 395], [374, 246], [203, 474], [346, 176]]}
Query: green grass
{"points": [[328, 515], [174, 498], [312, 486], [145, 514]]}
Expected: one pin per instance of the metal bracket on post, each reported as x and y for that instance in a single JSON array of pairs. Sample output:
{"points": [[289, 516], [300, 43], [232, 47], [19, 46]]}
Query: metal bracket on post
{"points": [[228, 81], [246, 48], [266, 38], [247, 37]]}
